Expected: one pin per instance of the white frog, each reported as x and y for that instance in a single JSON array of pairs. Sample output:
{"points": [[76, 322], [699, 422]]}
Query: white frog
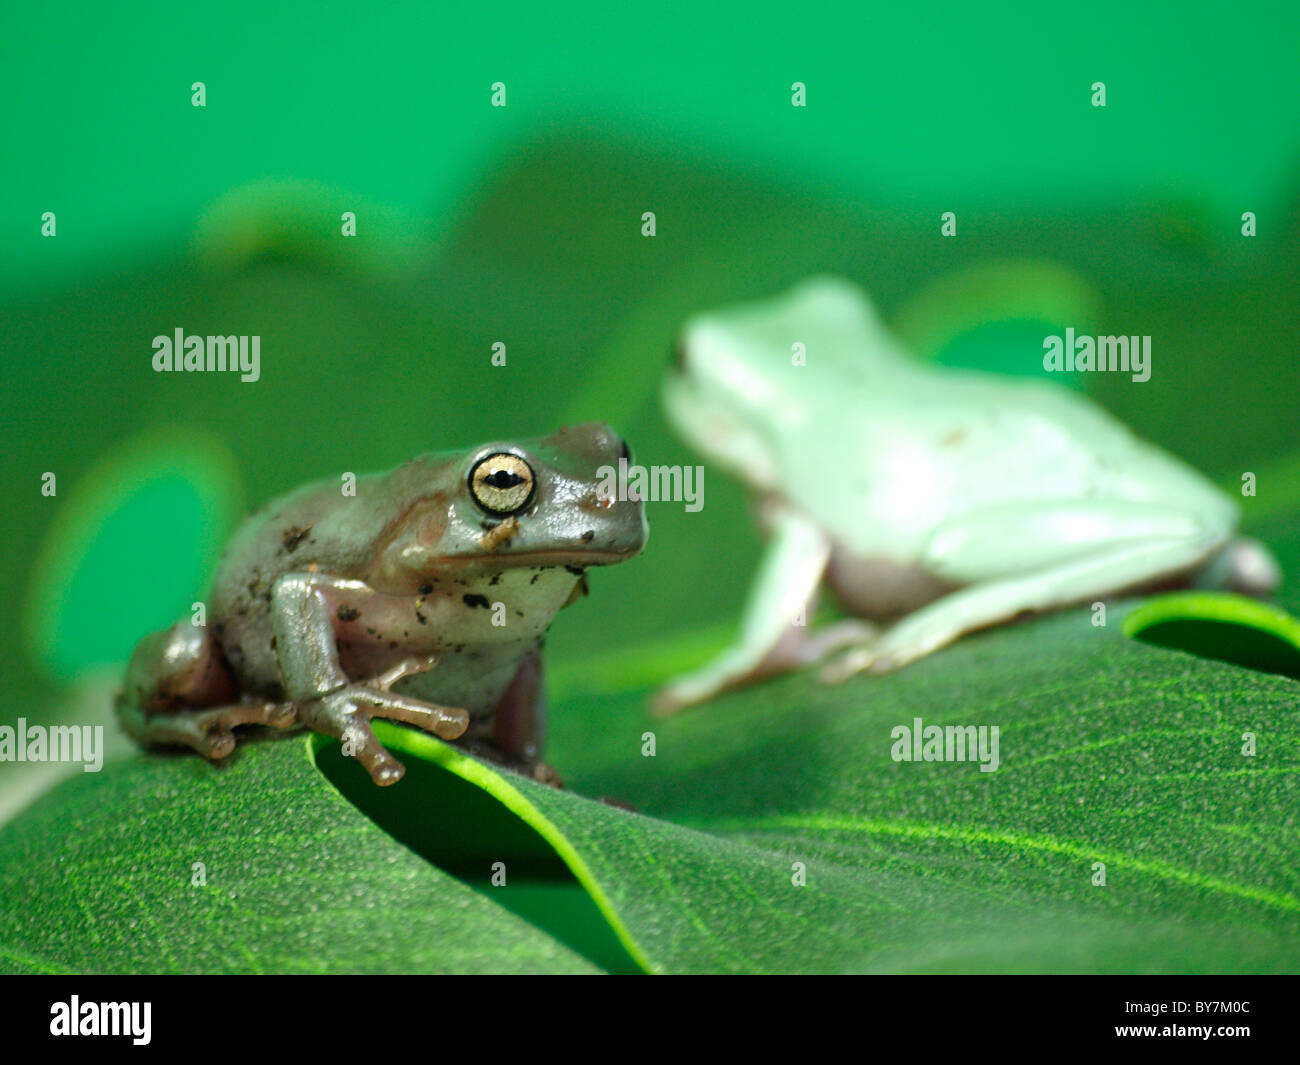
{"points": [[932, 501]]}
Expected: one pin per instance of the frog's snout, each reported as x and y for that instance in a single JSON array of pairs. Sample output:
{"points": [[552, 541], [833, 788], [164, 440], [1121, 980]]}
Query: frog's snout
{"points": [[615, 522], [587, 468]]}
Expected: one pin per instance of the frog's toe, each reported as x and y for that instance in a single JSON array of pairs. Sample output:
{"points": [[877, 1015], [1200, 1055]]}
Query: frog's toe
{"points": [[346, 713], [277, 715], [670, 700], [207, 730], [445, 722], [217, 745], [215, 727], [407, 667], [662, 703], [849, 664], [886, 664], [360, 742], [544, 774], [691, 689], [342, 714]]}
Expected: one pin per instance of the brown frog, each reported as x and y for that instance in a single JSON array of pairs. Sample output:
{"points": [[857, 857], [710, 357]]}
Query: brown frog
{"points": [[421, 598]]}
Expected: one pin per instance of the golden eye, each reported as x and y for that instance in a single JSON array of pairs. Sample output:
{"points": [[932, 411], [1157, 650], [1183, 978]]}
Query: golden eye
{"points": [[501, 483]]}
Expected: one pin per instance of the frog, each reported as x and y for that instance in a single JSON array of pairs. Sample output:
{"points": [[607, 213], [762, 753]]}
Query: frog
{"points": [[419, 596], [930, 501]]}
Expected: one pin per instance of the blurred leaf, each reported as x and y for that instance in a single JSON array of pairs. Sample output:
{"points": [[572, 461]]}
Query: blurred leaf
{"points": [[1039, 292], [299, 221], [132, 544]]}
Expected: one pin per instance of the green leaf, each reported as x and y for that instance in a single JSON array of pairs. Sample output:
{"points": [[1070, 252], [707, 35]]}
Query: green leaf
{"points": [[940, 866], [97, 877], [910, 867], [1219, 625]]}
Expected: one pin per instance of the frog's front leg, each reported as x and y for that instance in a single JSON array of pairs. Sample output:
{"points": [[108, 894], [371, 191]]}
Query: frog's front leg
{"points": [[304, 607], [787, 584], [1058, 556]]}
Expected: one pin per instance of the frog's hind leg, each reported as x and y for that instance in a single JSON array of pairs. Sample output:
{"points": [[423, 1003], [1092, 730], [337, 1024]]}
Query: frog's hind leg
{"points": [[518, 726], [179, 692], [208, 730], [770, 641], [1116, 568]]}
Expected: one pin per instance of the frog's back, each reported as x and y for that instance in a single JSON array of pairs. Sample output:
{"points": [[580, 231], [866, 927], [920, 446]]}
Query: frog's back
{"points": [[1039, 440], [932, 444], [316, 528], [881, 449]]}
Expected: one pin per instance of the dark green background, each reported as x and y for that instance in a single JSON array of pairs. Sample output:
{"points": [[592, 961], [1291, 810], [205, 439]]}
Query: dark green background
{"points": [[522, 224]]}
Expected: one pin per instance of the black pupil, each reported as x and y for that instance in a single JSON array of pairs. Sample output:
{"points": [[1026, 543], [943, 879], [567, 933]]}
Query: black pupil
{"points": [[503, 479]]}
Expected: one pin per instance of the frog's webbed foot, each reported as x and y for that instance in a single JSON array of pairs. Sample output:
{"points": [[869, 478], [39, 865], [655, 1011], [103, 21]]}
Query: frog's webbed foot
{"points": [[346, 712], [849, 664], [208, 730], [798, 648]]}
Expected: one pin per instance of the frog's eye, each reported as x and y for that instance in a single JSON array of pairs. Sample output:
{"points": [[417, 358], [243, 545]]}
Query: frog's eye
{"points": [[501, 483]]}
